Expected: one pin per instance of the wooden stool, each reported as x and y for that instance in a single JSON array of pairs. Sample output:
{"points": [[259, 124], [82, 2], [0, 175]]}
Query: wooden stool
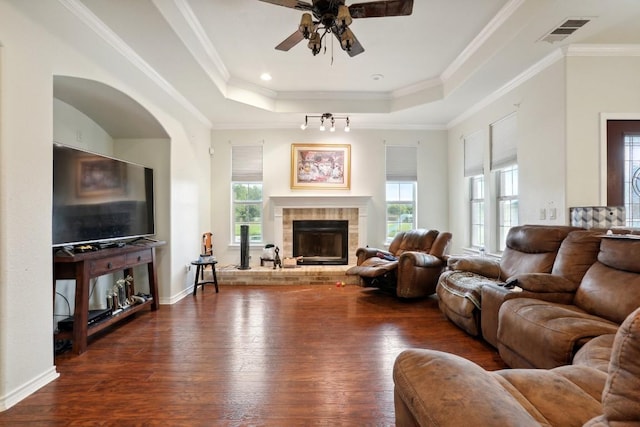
{"points": [[199, 277]]}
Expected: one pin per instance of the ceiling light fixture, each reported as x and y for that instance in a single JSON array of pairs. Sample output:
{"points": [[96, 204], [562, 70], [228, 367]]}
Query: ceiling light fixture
{"points": [[314, 31], [265, 77], [331, 118]]}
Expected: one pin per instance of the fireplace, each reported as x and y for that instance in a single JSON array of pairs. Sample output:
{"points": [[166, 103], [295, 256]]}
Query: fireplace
{"points": [[321, 242]]}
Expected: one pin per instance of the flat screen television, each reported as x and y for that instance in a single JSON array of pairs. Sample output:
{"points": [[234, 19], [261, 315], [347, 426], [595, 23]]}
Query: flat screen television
{"points": [[99, 199]]}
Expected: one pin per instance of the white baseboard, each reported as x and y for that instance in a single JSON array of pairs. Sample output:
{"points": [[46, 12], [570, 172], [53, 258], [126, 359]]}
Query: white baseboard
{"points": [[27, 389], [175, 298]]}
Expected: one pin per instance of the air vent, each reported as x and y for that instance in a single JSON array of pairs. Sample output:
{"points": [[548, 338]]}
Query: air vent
{"points": [[564, 30]]}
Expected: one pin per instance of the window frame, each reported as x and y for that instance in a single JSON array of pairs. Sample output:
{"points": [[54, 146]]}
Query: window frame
{"points": [[503, 199], [235, 238], [413, 202], [477, 204]]}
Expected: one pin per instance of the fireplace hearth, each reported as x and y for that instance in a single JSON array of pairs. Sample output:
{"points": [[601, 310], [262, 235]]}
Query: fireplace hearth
{"points": [[321, 242]]}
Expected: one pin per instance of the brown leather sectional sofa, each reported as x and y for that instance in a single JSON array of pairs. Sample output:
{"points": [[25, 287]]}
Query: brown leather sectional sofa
{"points": [[529, 249], [600, 388], [541, 334], [542, 308]]}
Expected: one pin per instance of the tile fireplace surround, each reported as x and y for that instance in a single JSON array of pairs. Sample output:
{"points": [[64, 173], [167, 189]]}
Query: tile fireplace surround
{"points": [[285, 210]]}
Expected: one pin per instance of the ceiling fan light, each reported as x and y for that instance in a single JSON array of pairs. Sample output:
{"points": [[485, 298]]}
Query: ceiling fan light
{"points": [[306, 25], [346, 39], [344, 17], [315, 43]]}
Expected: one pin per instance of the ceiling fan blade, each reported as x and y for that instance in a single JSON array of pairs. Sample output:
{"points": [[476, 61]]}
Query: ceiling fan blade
{"points": [[293, 4], [378, 9], [356, 47], [291, 41]]}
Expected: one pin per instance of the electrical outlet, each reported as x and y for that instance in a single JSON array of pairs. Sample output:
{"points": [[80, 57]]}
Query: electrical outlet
{"points": [[543, 214]]}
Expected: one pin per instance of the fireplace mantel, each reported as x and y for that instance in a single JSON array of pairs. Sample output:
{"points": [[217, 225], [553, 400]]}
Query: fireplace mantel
{"points": [[279, 203]]}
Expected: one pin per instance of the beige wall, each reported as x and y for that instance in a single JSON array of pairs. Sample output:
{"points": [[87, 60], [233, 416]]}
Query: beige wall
{"points": [[595, 86], [367, 177], [540, 107], [29, 58]]}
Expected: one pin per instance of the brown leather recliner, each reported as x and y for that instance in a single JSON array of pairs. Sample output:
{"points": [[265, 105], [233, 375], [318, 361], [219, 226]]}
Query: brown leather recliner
{"points": [[414, 262], [529, 249], [542, 334]]}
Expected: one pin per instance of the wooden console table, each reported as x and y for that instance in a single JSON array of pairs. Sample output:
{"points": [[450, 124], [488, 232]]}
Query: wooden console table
{"points": [[82, 267]]}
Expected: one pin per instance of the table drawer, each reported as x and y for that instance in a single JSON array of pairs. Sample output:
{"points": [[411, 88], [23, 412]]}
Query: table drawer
{"points": [[140, 257], [106, 265]]}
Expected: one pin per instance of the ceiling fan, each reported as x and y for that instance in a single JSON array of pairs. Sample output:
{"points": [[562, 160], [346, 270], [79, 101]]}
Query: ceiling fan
{"points": [[333, 16]]}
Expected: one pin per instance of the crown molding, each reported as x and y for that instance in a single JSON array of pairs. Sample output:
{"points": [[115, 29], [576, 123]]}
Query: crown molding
{"points": [[347, 96], [602, 50], [198, 31], [520, 79], [291, 126], [247, 86], [496, 22], [101, 29], [572, 50], [417, 87]]}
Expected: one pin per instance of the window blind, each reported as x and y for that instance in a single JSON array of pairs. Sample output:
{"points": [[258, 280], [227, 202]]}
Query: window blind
{"points": [[504, 146], [246, 163], [474, 154], [401, 163]]}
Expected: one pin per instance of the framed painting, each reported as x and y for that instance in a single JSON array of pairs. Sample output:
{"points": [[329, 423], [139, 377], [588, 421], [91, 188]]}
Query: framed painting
{"points": [[321, 166], [98, 176]]}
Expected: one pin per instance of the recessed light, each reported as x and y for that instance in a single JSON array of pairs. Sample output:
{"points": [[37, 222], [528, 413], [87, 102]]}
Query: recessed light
{"points": [[377, 77], [265, 77]]}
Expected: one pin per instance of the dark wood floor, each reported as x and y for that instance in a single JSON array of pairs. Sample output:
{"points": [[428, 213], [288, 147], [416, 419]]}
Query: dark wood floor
{"points": [[274, 355]]}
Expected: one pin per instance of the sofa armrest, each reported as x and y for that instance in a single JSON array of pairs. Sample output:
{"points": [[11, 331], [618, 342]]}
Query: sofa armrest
{"points": [[435, 388], [420, 259], [486, 267], [542, 283]]}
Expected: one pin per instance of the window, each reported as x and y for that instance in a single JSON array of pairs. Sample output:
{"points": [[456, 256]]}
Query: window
{"points": [[504, 165], [246, 189], [507, 191], [247, 210], [401, 189], [474, 144], [632, 180], [476, 204], [400, 207]]}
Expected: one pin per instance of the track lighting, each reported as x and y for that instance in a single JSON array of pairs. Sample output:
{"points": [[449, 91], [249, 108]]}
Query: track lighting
{"points": [[330, 117]]}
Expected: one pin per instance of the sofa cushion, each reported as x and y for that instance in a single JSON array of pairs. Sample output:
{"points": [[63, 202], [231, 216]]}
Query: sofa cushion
{"points": [[621, 253], [541, 334], [596, 353], [607, 292], [413, 240], [578, 251], [539, 243], [564, 396]]}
